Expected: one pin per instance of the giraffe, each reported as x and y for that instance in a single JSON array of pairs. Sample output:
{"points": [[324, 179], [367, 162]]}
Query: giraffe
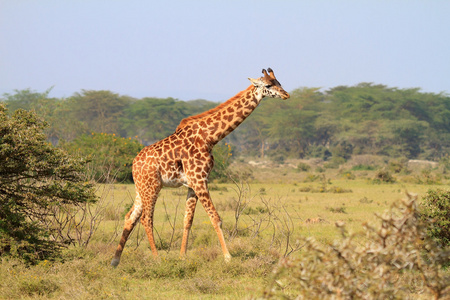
{"points": [[184, 158]]}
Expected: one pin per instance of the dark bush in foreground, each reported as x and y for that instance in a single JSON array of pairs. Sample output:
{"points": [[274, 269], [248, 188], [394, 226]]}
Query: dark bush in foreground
{"points": [[35, 178]]}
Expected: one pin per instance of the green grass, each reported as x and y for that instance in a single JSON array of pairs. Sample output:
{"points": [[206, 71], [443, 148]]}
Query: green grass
{"points": [[256, 246]]}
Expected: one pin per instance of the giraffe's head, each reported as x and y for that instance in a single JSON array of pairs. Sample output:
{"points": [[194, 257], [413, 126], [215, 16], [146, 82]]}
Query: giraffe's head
{"points": [[269, 85]]}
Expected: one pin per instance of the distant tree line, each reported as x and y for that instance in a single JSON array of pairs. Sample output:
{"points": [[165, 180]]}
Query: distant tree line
{"points": [[333, 124]]}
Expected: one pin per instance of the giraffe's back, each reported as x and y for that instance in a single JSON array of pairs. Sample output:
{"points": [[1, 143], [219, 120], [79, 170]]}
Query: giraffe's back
{"points": [[161, 161]]}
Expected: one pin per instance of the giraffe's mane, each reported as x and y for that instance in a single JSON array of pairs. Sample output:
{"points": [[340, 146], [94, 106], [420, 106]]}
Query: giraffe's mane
{"points": [[202, 115]]}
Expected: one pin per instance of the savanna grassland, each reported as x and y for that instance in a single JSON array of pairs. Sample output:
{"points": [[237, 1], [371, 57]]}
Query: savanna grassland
{"points": [[292, 184], [268, 212]]}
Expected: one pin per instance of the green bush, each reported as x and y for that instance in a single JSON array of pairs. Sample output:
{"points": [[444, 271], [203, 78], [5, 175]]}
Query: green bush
{"points": [[383, 176], [397, 166], [36, 180], [222, 153], [111, 156], [342, 149], [302, 167], [435, 208]]}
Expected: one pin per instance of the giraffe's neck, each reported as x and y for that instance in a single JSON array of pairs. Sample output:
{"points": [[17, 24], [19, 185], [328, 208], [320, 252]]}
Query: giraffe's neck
{"points": [[217, 123]]}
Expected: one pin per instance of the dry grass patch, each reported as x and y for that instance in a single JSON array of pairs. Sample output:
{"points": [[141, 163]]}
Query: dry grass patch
{"points": [[272, 222]]}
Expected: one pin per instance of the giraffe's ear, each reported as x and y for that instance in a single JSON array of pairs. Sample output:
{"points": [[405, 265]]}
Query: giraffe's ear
{"points": [[255, 82]]}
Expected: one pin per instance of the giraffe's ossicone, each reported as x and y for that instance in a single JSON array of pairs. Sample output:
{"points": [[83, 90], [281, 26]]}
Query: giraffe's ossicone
{"points": [[184, 158]]}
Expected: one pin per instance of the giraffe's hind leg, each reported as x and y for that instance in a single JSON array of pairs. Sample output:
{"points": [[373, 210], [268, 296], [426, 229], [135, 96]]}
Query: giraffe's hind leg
{"points": [[191, 202], [149, 198], [130, 221]]}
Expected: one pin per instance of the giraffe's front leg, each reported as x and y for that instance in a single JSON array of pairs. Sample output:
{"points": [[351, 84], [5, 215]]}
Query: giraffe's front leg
{"points": [[202, 192], [191, 202]]}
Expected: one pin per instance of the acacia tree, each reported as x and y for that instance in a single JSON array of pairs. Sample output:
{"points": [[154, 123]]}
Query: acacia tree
{"points": [[98, 110], [35, 177], [293, 127], [153, 119]]}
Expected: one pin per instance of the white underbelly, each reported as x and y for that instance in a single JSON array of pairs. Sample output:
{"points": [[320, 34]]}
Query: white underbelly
{"points": [[174, 181]]}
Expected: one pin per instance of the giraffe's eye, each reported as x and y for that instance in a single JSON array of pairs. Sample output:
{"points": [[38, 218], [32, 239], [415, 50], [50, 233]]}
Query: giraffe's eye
{"points": [[268, 86]]}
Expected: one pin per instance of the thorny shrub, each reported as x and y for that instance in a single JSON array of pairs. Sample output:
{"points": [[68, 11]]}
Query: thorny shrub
{"points": [[395, 260]]}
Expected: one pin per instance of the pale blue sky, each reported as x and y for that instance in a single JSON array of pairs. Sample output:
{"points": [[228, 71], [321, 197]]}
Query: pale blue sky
{"points": [[207, 49]]}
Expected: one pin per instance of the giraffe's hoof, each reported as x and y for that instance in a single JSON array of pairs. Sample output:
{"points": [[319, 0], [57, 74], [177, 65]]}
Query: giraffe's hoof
{"points": [[115, 262], [227, 257]]}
